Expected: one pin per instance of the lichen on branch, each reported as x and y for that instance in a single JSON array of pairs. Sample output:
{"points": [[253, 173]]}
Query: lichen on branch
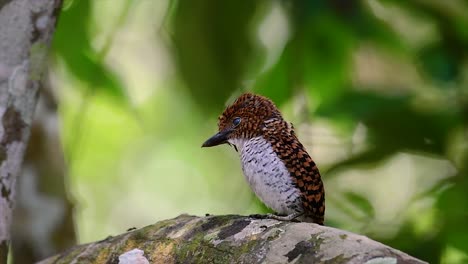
{"points": [[233, 239]]}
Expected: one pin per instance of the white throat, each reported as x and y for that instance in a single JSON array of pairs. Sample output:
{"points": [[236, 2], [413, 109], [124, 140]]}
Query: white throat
{"points": [[238, 142]]}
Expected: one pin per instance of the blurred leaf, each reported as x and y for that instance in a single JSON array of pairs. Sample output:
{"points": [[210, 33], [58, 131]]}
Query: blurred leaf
{"points": [[213, 47], [428, 248], [277, 83], [262, 208], [358, 105], [317, 57], [393, 124], [72, 43], [319, 54], [327, 64], [453, 207], [370, 28], [444, 60], [407, 129], [362, 203], [371, 156], [439, 64]]}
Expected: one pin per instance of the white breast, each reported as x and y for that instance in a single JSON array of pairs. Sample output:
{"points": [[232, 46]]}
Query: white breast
{"points": [[267, 175]]}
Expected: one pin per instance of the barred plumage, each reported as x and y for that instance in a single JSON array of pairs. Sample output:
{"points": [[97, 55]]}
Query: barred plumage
{"points": [[275, 163]]}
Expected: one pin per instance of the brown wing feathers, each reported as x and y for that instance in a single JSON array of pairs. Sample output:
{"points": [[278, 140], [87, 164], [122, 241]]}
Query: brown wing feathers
{"points": [[302, 168]]}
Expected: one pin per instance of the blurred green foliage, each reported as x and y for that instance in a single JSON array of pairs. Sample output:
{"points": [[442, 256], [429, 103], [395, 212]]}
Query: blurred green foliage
{"points": [[413, 100], [79, 56]]}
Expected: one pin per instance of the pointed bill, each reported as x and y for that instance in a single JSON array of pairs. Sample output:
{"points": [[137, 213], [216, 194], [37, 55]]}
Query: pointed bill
{"points": [[218, 139]]}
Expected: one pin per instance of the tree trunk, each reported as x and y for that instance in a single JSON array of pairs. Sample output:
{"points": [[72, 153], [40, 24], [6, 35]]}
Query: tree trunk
{"points": [[233, 239], [26, 27], [43, 215]]}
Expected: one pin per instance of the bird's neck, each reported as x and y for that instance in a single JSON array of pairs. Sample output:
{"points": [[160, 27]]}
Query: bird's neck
{"points": [[244, 146], [239, 143]]}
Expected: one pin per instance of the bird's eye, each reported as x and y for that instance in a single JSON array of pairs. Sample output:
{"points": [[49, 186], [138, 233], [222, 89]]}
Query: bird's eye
{"points": [[236, 121]]}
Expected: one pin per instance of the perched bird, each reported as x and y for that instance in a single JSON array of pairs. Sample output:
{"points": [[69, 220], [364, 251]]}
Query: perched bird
{"points": [[274, 162]]}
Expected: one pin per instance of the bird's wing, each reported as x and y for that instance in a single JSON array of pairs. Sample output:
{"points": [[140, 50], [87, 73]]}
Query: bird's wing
{"points": [[303, 170]]}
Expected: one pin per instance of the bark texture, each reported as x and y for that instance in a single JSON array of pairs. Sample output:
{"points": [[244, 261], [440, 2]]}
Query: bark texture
{"points": [[43, 215], [233, 239], [26, 27]]}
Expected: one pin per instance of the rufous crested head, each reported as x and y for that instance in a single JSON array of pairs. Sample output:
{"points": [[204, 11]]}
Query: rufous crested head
{"points": [[244, 119]]}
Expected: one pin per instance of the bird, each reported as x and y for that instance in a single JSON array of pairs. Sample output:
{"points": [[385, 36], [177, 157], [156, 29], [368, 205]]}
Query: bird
{"points": [[274, 162]]}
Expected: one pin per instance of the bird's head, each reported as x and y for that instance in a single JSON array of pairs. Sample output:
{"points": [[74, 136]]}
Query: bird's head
{"points": [[243, 120]]}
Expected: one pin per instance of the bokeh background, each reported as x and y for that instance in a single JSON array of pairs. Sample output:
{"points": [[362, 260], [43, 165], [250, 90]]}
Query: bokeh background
{"points": [[377, 90]]}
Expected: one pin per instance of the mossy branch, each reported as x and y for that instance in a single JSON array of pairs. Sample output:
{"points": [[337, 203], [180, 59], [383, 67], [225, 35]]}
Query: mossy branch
{"points": [[233, 239]]}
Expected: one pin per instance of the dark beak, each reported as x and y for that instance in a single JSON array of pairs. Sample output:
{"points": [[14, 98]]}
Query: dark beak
{"points": [[218, 139]]}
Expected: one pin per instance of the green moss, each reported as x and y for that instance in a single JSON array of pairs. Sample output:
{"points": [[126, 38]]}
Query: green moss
{"points": [[338, 259], [140, 234], [274, 234], [102, 255], [37, 54], [317, 241], [246, 248], [343, 236], [306, 251], [200, 248], [185, 251], [68, 256], [215, 222], [211, 237]]}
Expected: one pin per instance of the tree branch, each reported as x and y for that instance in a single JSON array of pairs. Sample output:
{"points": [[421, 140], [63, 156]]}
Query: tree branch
{"points": [[233, 239]]}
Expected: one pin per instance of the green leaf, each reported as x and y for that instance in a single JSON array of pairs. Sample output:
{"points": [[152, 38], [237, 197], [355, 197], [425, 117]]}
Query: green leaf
{"points": [[72, 43], [213, 46], [367, 157], [361, 202], [393, 123], [428, 248], [329, 44], [439, 64], [370, 28], [316, 58], [278, 82], [453, 208]]}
